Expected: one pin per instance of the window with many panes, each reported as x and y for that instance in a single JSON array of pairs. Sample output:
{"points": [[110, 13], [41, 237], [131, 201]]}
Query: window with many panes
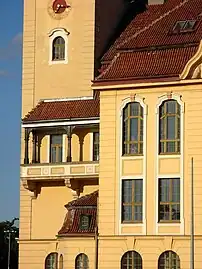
{"points": [[56, 148], [82, 261], [58, 53], [131, 260], [169, 127], [169, 199], [51, 261], [96, 146], [132, 196], [84, 223], [169, 260], [133, 129]]}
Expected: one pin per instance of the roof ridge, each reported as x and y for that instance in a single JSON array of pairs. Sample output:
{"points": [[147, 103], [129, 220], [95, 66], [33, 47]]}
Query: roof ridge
{"points": [[152, 23], [109, 66]]}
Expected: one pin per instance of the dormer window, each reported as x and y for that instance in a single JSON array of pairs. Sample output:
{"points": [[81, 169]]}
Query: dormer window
{"points": [[84, 222], [58, 46], [184, 26]]}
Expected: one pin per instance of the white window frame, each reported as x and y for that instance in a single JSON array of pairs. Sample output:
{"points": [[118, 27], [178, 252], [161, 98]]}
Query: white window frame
{"points": [[58, 32], [143, 176], [161, 99]]}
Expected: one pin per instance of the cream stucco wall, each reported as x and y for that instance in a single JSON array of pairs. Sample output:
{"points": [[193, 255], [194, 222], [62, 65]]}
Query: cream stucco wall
{"points": [[113, 167]]}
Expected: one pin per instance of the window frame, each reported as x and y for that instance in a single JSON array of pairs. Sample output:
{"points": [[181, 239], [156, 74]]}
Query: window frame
{"points": [[83, 255], [133, 203], [163, 120], [58, 32], [169, 203], [170, 260], [135, 255], [57, 146], [58, 48], [140, 130], [56, 261]]}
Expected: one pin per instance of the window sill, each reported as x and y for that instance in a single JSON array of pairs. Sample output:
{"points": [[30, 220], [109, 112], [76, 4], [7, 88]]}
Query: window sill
{"points": [[170, 154], [53, 62], [132, 223], [169, 222]]}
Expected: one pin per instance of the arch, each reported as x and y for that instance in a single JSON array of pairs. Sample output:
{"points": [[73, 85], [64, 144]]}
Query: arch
{"points": [[132, 125], [82, 261], [169, 260], [58, 49], [169, 127], [131, 260], [58, 46], [51, 261], [169, 110]]}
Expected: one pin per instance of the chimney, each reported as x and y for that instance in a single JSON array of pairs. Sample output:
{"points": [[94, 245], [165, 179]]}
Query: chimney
{"points": [[156, 2]]}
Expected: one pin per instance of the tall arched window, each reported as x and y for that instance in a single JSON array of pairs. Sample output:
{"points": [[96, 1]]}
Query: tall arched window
{"points": [[169, 127], [131, 260], [58, 53], [133, 129], [51, 261], [82, 261], [169, 260]]}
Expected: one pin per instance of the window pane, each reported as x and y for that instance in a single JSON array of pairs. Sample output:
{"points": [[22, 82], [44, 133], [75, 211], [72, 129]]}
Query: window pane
{"points": [[133, 129], [134, 109], [176, 190], [164, 190], [171, 107], [138, 212], [170, 146], [171, 127], [127, 213], [138, 190], [127, 191], [53, 154]]}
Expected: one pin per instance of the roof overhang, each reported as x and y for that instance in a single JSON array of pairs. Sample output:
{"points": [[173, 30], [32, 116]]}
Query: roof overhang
{"points": [[81, 122]]}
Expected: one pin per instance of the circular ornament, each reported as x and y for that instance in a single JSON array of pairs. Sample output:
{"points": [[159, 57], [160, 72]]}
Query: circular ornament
{"points": [[58, 9]]}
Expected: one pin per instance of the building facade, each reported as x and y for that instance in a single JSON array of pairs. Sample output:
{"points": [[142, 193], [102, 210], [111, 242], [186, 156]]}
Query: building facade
{"points": [[111, 120]]}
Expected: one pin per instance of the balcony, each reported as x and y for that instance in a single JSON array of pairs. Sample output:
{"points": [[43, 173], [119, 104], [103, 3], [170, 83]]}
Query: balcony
{"points": [[57, 158]]}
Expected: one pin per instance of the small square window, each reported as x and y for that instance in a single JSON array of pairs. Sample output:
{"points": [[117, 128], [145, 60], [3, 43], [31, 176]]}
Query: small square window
{"points": [[85, 221]]}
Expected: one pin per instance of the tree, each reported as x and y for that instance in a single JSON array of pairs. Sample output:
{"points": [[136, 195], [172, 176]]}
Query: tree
{"points": [[7, 227]]}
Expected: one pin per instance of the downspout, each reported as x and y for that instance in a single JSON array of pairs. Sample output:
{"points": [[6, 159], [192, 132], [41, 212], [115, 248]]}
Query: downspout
{"points": [[96, 238]]}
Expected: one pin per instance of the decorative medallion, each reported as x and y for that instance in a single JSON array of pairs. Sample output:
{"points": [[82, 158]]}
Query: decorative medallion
{"points": [[58, 9]]}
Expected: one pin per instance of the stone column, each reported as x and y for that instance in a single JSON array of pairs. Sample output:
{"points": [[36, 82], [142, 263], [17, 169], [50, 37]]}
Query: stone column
{"points": [[69, 147]]}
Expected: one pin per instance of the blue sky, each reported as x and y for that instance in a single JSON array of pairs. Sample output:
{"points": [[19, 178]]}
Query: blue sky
{"points": [[10, 107]]}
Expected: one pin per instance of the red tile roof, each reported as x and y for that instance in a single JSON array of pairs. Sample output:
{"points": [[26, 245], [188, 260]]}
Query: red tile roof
{"points": [[63, 110], [149, 64], [86, 205], [87, 200], [148, 41]]}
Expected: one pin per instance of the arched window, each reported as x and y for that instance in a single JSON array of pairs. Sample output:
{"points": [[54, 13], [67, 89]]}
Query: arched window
{"points": [[131, 260], [169, 260], [58, 49], [82, 261], [61, 262], [169, 127], [51, 261], [133, 129]]}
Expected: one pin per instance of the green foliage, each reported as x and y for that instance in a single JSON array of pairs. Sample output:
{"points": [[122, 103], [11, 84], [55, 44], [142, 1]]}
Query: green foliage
{"points": [[4, 244]]}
